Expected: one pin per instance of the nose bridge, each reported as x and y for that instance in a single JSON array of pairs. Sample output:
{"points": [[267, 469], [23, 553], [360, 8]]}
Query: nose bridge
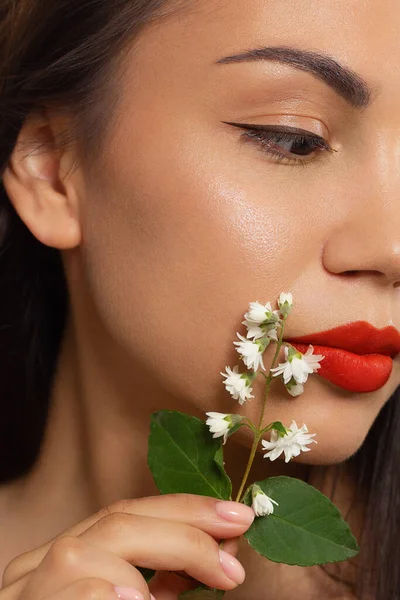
{"points": [[368, 238]]}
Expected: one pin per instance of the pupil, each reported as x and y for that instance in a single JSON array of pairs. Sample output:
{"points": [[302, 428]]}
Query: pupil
{"points": [[301, 147]]}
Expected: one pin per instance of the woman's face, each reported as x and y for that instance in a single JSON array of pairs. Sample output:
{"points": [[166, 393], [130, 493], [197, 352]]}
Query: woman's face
{"points": [[186, 220]]}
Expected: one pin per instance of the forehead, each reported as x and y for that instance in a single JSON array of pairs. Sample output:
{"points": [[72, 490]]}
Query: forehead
{"points": [[361, 34]]}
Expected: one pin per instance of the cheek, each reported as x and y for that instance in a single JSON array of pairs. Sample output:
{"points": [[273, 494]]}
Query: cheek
{"points": [[178, 241]]}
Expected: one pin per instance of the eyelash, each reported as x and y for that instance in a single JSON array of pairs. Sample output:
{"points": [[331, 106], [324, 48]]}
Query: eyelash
{"points": [[264, 135]]}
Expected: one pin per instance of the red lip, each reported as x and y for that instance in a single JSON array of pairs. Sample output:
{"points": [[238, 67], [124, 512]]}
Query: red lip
{"points": [[358, 357]]}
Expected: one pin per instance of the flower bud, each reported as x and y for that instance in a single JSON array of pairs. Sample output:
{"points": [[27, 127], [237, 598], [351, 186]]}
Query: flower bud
{"points": [[294, 388], [262, 504], [285, 303]]}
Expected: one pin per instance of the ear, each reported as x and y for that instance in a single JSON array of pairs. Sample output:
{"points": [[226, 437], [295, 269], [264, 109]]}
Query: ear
{"points": [[34, 182]]}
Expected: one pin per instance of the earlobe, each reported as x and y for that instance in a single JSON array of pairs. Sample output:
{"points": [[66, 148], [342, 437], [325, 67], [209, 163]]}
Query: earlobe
{"points": [[33, 182]]}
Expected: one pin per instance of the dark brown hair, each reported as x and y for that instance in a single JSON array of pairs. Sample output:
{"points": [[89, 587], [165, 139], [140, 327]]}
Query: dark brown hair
{"points": [[63, 54]]}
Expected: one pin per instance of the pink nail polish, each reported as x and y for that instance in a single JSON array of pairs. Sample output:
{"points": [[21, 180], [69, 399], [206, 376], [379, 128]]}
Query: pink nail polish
{"points": [[235, 512], [127, 593], [231, 567]]}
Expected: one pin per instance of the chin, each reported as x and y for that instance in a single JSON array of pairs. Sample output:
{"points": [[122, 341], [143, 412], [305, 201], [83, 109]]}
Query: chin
{"points": [[340, 420], [326, 454]]}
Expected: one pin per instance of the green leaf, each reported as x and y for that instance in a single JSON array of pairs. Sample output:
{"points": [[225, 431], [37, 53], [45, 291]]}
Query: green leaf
{"points": [[148, 574], [219, 460], [202, 592], [184, 457], [305, 529]]}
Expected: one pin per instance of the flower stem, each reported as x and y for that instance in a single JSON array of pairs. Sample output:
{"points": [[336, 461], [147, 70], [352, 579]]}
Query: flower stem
{"points": [[249, 465], [259, 432], [270, 376], [246, 422]]}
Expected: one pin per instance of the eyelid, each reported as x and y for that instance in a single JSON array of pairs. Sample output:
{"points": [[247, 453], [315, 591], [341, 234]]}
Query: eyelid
{"points": [[277, 128]]}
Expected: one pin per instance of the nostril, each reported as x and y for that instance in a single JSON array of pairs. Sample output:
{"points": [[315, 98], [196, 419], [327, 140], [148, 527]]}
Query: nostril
{"points": [[350, 273]]}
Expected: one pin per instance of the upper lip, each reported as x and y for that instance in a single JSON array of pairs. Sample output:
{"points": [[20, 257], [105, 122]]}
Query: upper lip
{"points": [[359, 337]]}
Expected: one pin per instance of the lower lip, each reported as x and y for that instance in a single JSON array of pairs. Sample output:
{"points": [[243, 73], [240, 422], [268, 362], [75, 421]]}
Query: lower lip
{"points": [[352, 372]]}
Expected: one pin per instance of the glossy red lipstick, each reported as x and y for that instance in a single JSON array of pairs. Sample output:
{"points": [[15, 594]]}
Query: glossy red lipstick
{"points": [[358, 357]]}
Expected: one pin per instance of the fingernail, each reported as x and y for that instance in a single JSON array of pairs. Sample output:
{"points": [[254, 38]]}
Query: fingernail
{"points": [[231, 567], [236, 512], [127, 593]]}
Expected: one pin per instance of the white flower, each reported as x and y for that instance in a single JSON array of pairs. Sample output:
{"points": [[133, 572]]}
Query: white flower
{"points": [[218, 424], [257, 312], [294, 442], [262, 504], [285, 303], [298, 365], [256, 332], [238, 384], [251, 352], [261, 320]]}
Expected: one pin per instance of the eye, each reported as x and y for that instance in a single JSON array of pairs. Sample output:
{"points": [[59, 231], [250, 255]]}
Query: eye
{"points": [[285, 144]]}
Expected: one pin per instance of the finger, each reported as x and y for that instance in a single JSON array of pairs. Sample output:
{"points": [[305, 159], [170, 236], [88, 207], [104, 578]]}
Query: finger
{"points": [[218, 518], [166, 546], [231, 546], [222, 519], [167, 586], [90, 589], [70, 559]]}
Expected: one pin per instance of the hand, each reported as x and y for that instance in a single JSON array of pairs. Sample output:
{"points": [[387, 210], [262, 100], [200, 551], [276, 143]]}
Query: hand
{"points": [[175, 532]]}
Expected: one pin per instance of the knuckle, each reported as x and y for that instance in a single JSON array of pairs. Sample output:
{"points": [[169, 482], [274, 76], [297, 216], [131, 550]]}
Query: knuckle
{"points": [[65, 552], [114, 522], [119, 506], [122, 505], [93, 588]]}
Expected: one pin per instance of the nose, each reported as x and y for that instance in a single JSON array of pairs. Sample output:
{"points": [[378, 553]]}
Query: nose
{"points": [[368, 238]]}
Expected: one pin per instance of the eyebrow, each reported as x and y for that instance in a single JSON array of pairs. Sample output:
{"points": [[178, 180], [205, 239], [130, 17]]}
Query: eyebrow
{"points": [[348, 84]]}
